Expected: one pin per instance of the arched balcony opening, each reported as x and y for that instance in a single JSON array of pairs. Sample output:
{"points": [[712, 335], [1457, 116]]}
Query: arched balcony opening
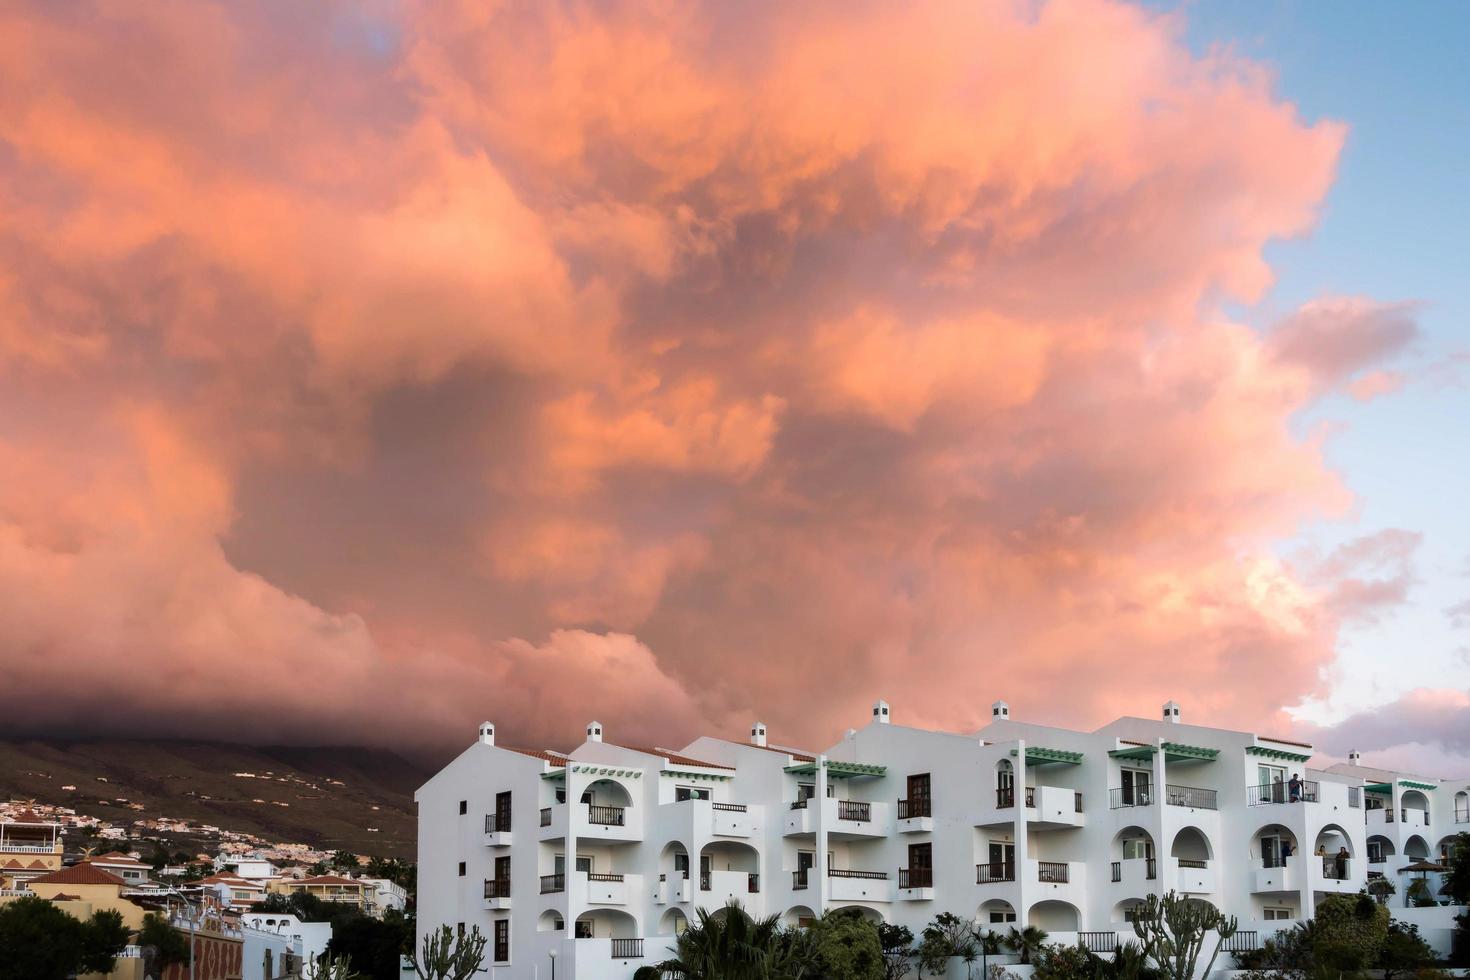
{"points": [[1054, 916]]}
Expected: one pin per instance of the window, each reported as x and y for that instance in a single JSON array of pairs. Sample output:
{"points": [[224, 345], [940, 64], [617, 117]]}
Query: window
{"points": [[502, 940], [587, 797], [1355, 796], [1137, 847], [805, 791], [464, 807], [584, 929], [558, 924], [1375, 851], [561, 794], [1002, 917], [1275, 914], [461, 869], [502, 812], [682, 793]]}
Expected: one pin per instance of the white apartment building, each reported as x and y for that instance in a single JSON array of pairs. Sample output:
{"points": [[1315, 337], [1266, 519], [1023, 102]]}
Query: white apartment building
{"points": [[596, 859]]}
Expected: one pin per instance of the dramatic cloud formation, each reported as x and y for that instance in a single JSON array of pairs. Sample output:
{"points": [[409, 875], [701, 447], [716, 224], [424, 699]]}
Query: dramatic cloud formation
{"points": [[366, 374], [1426, 731]]}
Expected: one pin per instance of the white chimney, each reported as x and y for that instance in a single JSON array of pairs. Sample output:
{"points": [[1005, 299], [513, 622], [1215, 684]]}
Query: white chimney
{"points": [[487, 733], [880, 711], [1171, 712], [594, 731], [758, 733], [1355, 758], [1000, 710]]}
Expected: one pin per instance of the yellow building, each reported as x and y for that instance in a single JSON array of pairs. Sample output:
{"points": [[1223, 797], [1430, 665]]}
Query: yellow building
{"points": [[29, 848], [82, 889], [328, 888]]}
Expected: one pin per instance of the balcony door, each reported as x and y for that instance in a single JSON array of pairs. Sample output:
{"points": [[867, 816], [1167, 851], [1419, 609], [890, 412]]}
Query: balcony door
{"points": [[502, 811], [919, 792], [921, 865], [1137, 787], [1002, 856], [502, 868], [1271, 783]]}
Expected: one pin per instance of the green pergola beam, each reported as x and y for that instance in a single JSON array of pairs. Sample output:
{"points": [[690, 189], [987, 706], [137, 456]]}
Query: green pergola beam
{"points": [[1271, 753], [838, 770], [1042, 757]]}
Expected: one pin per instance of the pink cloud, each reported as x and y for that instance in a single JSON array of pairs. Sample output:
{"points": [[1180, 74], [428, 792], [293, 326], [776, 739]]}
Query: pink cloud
{"points": [[539, 361]]}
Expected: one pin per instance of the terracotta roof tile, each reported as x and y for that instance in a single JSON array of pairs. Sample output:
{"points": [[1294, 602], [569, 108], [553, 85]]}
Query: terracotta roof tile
{"points": [[546, 755], [328, 880], [795, 754], [29, 816], [79, 874], [64, 897], [684, 760]]}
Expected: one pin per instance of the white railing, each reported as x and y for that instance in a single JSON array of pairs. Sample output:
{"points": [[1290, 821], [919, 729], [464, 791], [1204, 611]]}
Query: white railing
{"points": [[9, 848]]}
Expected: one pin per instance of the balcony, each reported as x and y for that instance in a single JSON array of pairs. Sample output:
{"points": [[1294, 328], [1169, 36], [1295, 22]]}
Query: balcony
{"points": [[1134, 874], [497, 894], [1277, 875], [1331, 875], [1264, 794], [718, 888], [627, 949], [1190, 796], [1045, 805], [497, 830], [1125, 796], [614, 823], [608, 889], [915, 884], [1462, 816], [989, 874], [859, 886], [552, 884], [1052, 872], [915, 815], [846, 819], [673, 888], [799, 879], [553, 822], [700, 819], [1194, 877]]}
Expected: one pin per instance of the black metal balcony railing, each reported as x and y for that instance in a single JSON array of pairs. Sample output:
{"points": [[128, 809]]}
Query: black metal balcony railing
{"points": [[553, 883], [1462, 816], [1117, 870], [753, 883], [1305, 791], [986, 874], [845, 873], [627, 949], [497, 888], [1274, 860], [606, 816], [1193, 863], [1077, 802], [799, 804], [798, 880], [1192, 796], [546, 816], [1005, 797], [497, 823], [1130, 796], [1378, 858], [1098, 942], [852, 810], [1244, 941], [704, 881], [731, 807], [915, 877], [1054, 872], [919, 806], [1151, 869], [603, 877], [1336, 869]]}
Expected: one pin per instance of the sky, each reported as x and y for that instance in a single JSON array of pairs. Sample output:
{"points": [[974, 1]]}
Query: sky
{"points": [[367, 371]]}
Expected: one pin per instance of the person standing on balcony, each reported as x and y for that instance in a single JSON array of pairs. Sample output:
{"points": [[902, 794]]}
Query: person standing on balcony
{"points": [[1296, 787], [1342, 863]]}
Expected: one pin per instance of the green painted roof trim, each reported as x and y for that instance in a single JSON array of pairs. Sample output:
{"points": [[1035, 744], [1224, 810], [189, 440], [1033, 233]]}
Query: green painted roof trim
{"points": [[1134, 752], [1040, 757], [1413, 785], [681, 774], [1176, 751], [839, 770], [1275, 753], [1379, 787]]}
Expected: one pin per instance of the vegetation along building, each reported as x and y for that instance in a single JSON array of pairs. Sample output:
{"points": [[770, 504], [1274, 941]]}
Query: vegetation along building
{"points": [[599, 857]]}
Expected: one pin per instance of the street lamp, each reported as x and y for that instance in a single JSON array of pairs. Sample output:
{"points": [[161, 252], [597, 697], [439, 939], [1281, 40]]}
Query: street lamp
{"points": [[190, 915], [552, 954]]}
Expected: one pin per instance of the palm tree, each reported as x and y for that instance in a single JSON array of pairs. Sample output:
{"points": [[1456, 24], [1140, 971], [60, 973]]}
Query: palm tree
{"points": [[1025, 941], [730, 945]]}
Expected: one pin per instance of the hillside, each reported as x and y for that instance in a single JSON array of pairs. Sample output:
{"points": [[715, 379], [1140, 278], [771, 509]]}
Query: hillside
{"points": [[324, 796]]}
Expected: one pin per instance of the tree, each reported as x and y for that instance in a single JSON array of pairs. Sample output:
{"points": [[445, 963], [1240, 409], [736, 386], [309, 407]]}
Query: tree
{"points": [[1173, 929], [848, 946], [103, 937], [1348, 931], [1457, 879], [163, 944], [41, 942], [331, 968], [947, 936], [344, 861], [897, 943], [446, 956], [1403, 950], [373, 945], [1025, 941], [731, 945]]}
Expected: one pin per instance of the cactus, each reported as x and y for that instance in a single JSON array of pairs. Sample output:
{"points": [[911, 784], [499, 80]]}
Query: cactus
{"points": [[1173, 931], [330, 968], [446, 956]]}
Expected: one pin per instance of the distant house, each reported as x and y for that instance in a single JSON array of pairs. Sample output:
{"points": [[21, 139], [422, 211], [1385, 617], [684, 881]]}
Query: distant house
{"points": [[83, 889], [30, 846], [328, 888], [312, 937], [241, 893], [125, 866]]}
